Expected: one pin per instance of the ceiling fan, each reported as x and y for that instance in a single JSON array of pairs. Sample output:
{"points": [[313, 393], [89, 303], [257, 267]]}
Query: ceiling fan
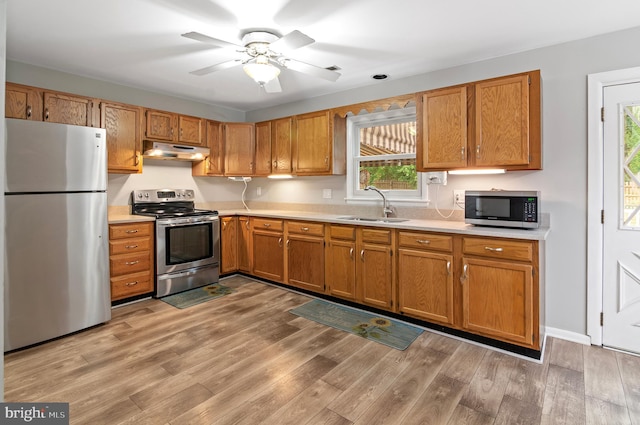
{"points": [[263, 57]]}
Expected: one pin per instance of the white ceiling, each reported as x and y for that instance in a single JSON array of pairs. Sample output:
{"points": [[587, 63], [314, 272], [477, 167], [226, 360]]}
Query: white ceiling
{"points": [[138, 43]]}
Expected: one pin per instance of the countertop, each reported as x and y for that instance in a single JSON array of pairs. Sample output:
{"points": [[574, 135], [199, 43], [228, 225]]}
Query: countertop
{"points": [[446, 226]]}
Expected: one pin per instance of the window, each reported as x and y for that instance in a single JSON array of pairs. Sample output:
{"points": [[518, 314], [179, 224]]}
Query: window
{"points": [[382, 153]]}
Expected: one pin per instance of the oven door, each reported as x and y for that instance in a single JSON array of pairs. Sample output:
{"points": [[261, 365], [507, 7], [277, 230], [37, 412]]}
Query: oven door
{"points": [[186, 243]]}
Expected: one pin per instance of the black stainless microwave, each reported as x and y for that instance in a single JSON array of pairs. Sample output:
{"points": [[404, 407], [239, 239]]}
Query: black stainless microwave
{"points": [[503, 208]]}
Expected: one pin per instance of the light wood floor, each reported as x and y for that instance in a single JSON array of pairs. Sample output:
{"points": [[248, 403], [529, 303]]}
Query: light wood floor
{"points": [[244, 359]]}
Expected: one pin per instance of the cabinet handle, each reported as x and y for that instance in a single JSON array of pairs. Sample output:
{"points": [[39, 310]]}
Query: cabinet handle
{"points": [[477, 151], [275, 164], [288, 240], [448, 268], [224, 224], [280, 242], [488, 248], [131, 263], [132, 231], [423, 241], [362, 254], [246, 224], [131, 283], [137, 159], [46, 114], [462, 152], [351, 253], [28, 111], [131, 246], [304, 229], [464, 273], [267, 225], [326, 160], [181, 132]]}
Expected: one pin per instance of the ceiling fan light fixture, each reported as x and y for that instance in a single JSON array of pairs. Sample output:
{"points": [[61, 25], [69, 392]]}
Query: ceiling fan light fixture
{"points": [[261, 70]]}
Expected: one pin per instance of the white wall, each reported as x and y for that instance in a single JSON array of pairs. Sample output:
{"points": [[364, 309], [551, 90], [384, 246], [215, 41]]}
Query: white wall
{"points": [[564, 70], [3, 57]]}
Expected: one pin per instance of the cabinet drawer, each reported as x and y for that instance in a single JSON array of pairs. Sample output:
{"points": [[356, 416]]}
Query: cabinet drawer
{"points": [[130, 284], [300, 227], [343, 232], [425, 241], [376, 236], [497, 248], [129, 230], [268, 224], [129, 263], [123, 246]]}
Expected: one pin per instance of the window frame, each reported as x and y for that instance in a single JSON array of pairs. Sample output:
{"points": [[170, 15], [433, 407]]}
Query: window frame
{"points": [[354, 124]]}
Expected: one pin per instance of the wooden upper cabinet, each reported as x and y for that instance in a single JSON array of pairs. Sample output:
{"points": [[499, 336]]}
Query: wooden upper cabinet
{"points": [[239, 142], [69, 109], [281, 141], [263, 149], [23, 102], [190, 130], [502, 121], [442, 129], [213, 165], [123, 124], [170, 127], [313, 143], [487, 124], [160, 125]]}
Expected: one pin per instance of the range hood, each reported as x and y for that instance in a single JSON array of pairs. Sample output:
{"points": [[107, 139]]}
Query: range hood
{"points": [[171, 151]]}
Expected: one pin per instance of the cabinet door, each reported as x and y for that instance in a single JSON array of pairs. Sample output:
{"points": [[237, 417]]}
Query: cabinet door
{"points": [[502, 121], [442, 132], [263, 149], [425, 285], [498, 299], [123, 124], [305, 262], [67, 109], [238, 149], [374, 275], [213, 165], [268, 255], [23, 102], [281, 136], [244, 245], [341, 269], [190, 130], [312, 144], [160, 125], [228, 244]]}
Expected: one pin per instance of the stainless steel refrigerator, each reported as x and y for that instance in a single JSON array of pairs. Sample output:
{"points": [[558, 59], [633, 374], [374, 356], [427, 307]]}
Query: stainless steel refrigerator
{"points": [[57, 261]]}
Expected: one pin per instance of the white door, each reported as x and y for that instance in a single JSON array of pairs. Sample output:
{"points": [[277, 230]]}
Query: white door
{"points": [[621, 232]]}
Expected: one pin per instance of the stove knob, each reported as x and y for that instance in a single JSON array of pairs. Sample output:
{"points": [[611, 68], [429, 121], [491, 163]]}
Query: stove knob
{"points": [[140, 195], [146, 195]]}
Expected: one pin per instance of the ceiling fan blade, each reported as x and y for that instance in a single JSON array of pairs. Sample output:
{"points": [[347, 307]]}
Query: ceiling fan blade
{"points": [[209, 40], [218, 67], [316, 71], [294, 40], [273, 86]]}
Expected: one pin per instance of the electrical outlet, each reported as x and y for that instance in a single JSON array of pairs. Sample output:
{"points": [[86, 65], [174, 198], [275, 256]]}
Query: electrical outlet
{"points": [[327, 193], [437, 177], [458, 198], [258, 191]]}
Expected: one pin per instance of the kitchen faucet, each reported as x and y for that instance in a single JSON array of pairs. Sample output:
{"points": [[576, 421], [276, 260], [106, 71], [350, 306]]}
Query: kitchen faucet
{"points": [[386, 208]]}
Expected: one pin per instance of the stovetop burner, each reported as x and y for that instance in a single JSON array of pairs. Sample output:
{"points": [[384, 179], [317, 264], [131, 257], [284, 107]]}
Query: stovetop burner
{"points": [[166, 203]]}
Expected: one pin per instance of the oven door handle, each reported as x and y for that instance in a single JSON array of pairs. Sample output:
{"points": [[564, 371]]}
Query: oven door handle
{"points": [[183, 274], [186, 222]]}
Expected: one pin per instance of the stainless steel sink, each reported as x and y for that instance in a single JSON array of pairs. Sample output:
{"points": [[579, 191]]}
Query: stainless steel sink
{"points": [[374, 220]]}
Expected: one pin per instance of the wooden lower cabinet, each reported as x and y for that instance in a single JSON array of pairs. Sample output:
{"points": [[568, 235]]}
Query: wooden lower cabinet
{"points": [[305, 255], [425, 276], [374, 268], [228, 244], [340, 272], [500, 295], [131, 259], [268, 248], [245, 250]]}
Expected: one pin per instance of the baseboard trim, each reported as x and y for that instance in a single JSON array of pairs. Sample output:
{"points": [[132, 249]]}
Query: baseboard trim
{"points": [[568, 336]]}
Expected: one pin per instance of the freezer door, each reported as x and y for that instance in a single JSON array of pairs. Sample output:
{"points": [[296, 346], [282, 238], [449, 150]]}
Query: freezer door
{"points": [[50, 157], [57, 266]]}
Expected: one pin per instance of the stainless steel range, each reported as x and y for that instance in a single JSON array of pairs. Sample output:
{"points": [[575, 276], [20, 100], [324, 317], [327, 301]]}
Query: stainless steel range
{"points": [[187, 239]]}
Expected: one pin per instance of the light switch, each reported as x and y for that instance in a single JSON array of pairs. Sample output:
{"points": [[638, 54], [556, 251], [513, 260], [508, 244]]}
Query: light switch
{"points": [[326, 193]]}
